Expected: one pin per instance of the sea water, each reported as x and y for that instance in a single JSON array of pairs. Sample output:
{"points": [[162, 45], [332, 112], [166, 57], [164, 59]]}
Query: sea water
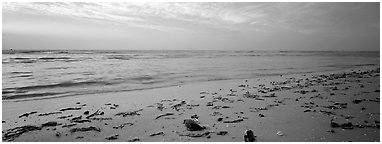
{"points": [[41, 74]]}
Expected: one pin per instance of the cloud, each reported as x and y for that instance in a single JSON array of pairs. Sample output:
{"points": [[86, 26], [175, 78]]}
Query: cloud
{"points": [[305, 18]]}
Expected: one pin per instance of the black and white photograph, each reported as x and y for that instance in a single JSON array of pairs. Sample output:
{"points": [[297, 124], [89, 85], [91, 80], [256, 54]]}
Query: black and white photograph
{"points": [[190, 71]]}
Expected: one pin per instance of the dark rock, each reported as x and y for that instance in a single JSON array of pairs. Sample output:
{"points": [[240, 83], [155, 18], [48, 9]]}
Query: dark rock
{"points": [[86, 112], [220, 119], [261, 115], [192, 125], [249, 136]]}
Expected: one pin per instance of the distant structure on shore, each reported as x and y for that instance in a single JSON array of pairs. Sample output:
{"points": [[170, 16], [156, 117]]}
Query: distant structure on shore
{"points": [[10, 51]]}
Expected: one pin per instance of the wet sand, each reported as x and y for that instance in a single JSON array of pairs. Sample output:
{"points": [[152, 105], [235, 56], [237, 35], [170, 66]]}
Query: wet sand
{"points": [[331, 106]]}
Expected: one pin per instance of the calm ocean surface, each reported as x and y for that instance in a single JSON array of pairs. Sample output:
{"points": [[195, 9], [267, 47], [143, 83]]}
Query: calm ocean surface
{"points": [[28, 74]]}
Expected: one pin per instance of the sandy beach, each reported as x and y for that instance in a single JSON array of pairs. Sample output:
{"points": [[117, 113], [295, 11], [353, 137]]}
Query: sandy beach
{"points": [[332, 106]]}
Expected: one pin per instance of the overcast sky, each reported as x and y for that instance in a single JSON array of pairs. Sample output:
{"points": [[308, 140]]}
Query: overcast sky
{"points": [[195, 26]]}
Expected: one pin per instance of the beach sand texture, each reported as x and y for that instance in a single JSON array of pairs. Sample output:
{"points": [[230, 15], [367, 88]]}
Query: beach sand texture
{"points": [[316, 107]]}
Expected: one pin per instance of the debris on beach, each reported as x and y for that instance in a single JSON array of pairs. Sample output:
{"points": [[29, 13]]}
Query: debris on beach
{"points": [[79, 120], [50, 113], [101, 119], [155, 134], [97, 112], [191, 134], [69, 125], [327, 112], [194, 116], [166, 114], [113, 137], [123, 125], [134, 139], [222, 132], [64, 117], [176, 106], [357, 101], [192, 125], [70, 108], [84, 129], [79, 137], [49, 124], [226, 106], [11, 134], [129, 113], [27, 114], [58, 134], [249, 136], [215, 113], [347, 125], [192, 105], [307, 110], [280, 133], [234, 121], [269, 96]]}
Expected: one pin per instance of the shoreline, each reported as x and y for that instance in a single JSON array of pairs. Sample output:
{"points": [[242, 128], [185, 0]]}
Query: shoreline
{"points": [[283, 120], [187, 83]]}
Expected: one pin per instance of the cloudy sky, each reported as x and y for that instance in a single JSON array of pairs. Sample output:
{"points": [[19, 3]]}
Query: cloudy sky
{"points": [[197, 26]]}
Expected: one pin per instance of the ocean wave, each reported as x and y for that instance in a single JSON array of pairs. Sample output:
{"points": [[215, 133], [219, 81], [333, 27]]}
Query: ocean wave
{"points": [[62, 84], [31, 95], [37, 59]]}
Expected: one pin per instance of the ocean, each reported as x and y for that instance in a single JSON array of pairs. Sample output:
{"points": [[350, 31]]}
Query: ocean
{"points": [[47, 74]]}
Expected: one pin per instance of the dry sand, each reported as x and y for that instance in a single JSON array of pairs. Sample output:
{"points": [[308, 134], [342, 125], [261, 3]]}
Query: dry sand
{"points": [[297, 107]]}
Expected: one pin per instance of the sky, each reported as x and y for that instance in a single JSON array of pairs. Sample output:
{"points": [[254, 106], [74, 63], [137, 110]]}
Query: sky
{"points": [[191, 26]]}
